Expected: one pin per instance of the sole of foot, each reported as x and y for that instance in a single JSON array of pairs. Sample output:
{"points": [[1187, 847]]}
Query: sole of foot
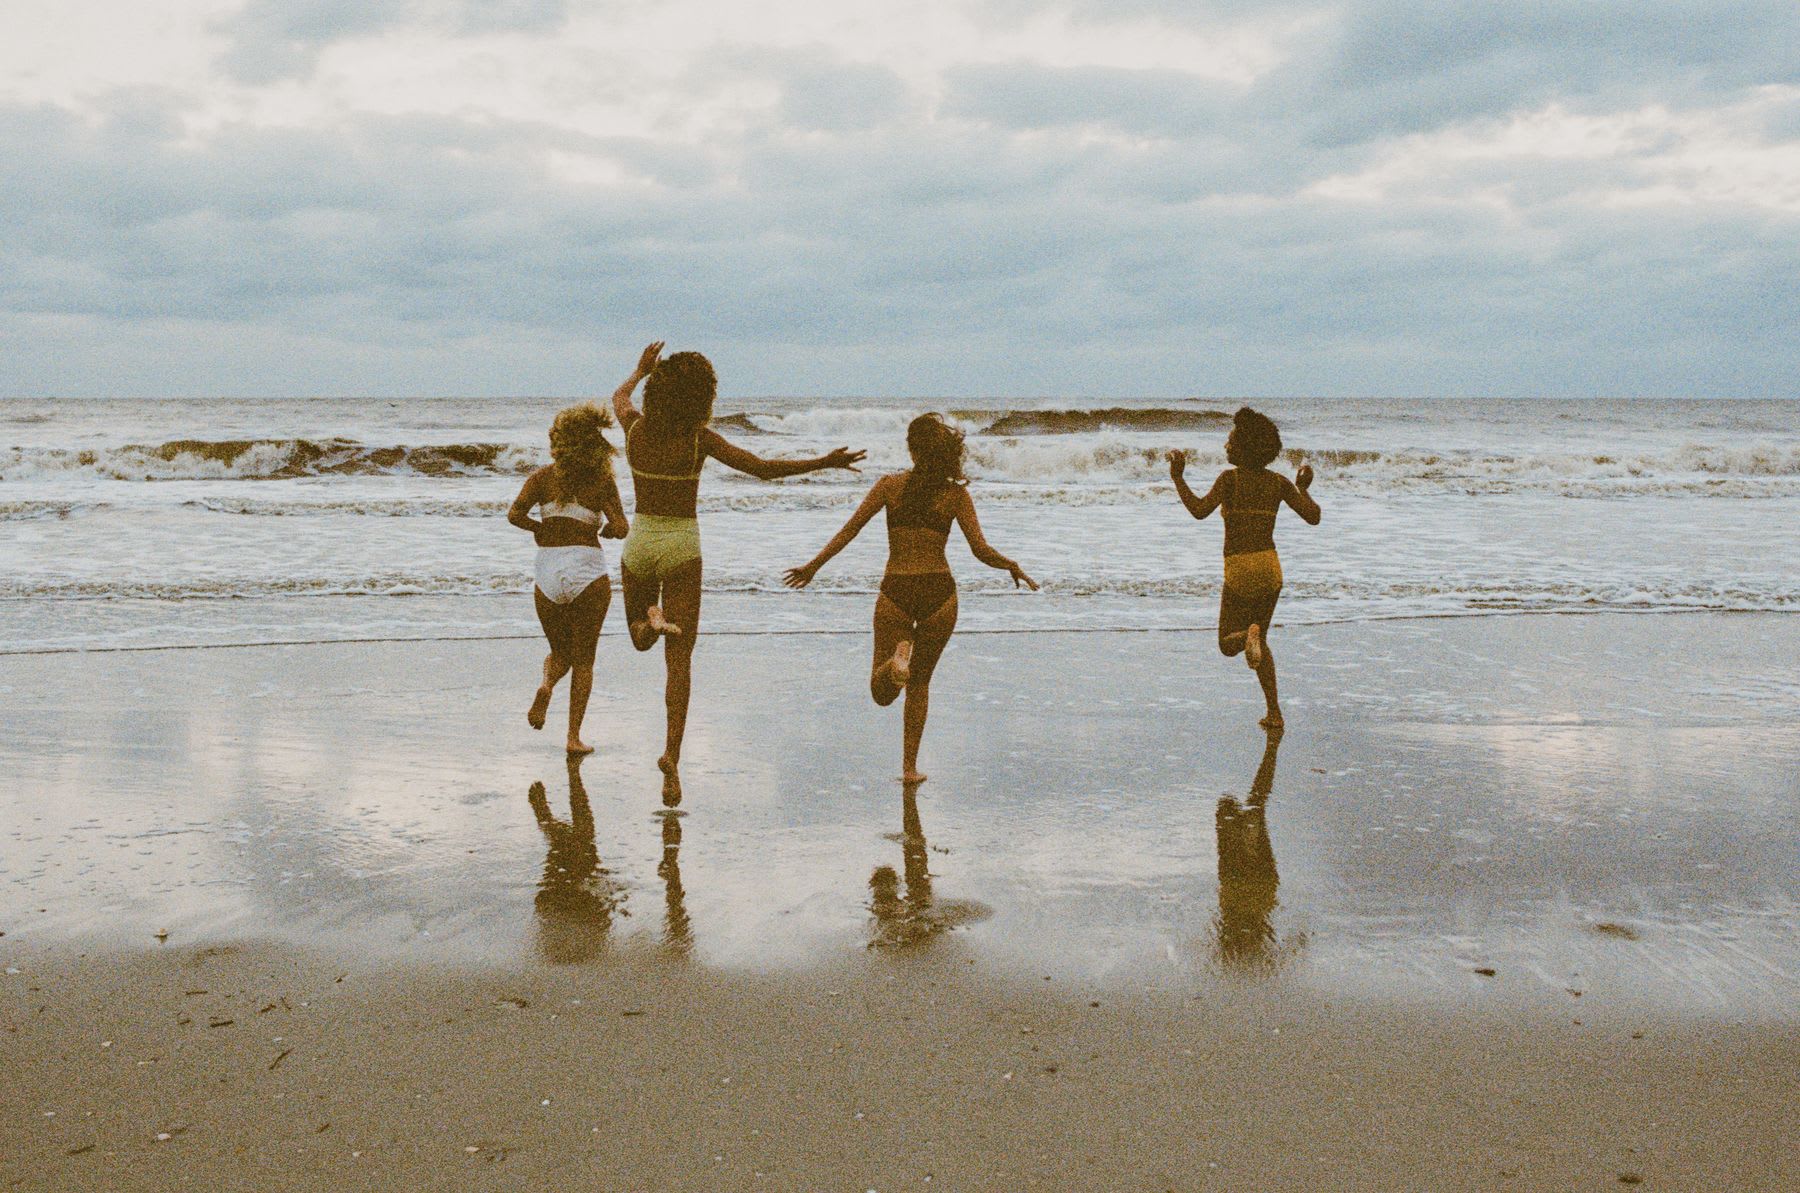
{"points": [[540, 705], [653, 617], [671, 789], [579, 749], [1253, 648], [901, 667]]}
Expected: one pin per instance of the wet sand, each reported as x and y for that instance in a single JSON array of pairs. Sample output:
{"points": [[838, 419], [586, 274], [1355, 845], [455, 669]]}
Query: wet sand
{"points": [[1511, 905]]}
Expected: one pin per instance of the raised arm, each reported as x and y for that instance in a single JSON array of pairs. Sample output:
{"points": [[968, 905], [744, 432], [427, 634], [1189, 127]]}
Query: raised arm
{"points": [[800, 577], [1198, 506], [732, 456], [519, 513], [623, 407], [981, 548], [1299, 500]]}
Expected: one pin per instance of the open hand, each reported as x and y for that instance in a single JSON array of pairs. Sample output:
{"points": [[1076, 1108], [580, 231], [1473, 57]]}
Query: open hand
{"points": [[1177, 464], [843, 457], [799, 577], [1019, 577], [647, 361], [1303, 479]]}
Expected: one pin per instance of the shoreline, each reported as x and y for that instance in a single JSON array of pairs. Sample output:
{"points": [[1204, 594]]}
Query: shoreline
{"points": [[830, 632]]}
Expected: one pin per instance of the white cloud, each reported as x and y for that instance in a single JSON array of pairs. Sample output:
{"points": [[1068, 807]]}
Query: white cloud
{"points": [[943, 196]]}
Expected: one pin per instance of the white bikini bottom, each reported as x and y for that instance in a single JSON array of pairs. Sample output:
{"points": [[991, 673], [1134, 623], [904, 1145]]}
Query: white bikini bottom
{"points": [[564, 572]]}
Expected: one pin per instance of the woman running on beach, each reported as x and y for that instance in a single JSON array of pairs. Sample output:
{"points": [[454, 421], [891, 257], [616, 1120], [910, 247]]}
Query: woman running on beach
{"points": [[665, 445], [916, 611], [571, 493], [1251, 496]]}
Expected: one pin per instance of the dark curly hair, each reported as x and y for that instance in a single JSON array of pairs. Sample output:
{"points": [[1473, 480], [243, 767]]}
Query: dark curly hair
{"points": [[1255, 441], [579, 448], [937, 453], [679, 395]]}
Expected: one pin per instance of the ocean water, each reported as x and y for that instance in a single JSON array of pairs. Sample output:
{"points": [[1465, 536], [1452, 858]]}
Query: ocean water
{"points": [[217, 521]]}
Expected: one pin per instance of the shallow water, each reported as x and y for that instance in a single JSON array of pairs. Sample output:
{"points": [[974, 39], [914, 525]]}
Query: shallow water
{"points": [[136, 523], [1600, 804]]}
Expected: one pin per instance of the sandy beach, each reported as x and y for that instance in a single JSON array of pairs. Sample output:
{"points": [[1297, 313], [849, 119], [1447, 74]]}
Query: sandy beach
{"points": [[1510, 905]]}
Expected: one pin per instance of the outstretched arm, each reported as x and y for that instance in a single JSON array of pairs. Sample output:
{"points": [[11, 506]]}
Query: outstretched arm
{"points": [[623, 406], [733, 456], [1295, 494], [800, 577], [519, 513], [981, 548], [1198, 506]]}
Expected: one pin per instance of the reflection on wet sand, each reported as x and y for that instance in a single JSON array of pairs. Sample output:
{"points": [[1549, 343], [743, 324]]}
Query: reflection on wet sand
{"points": [[907, 915], [1247, 875], [577, 897], [678, 934]]}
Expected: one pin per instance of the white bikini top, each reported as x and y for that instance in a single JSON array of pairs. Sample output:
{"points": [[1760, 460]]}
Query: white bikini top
{"points": [[572, 510]]}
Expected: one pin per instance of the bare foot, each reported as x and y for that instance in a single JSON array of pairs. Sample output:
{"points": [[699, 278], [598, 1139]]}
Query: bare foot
{"points": [[1273, 723], [1253, 648], [577, 746], [540, 705], [901, 667], [653, 617], [913, 778], [671, 793]]}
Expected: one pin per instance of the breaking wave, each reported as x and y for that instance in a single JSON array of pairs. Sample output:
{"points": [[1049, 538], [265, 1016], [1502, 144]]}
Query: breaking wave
{"points": [[266, 459]]}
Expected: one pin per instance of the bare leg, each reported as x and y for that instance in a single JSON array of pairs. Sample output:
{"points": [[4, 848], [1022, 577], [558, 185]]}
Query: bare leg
{"points": [[540, 704], [932, 635], [581, 683], [893, 629], [681, 598], [640, 599], [1265, 674]]}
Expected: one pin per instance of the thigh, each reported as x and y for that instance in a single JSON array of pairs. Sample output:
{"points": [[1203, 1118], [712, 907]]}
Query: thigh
{"points": [[931, 636], [556, 623], [681, 604], [892, 627], [586, 614], [640, 592], [1239, 610]]}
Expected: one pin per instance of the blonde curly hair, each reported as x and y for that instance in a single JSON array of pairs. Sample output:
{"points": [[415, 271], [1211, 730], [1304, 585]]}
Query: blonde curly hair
{"points": [[579, 448]]}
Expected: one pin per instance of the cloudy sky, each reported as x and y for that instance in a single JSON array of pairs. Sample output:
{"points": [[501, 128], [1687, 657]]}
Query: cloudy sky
{"points": [[936, 197]]}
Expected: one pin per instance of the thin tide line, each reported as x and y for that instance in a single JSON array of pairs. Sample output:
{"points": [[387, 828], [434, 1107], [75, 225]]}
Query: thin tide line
{"points": [[857, 633]]}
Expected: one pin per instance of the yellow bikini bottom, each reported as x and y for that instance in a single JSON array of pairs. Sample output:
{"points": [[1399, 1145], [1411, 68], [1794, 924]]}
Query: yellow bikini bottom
{"points": [[1253, 575], [657, 545]]}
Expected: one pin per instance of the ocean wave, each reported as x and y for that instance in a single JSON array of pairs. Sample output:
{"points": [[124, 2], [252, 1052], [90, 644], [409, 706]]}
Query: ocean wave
{"points": [[1112, 418], [267, 459], [32, 511], [1058, 462], [834, 422]]}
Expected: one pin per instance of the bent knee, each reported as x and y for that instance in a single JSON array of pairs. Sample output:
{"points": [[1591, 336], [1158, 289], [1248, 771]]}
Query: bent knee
{"points": [[1232, 649], [884, 694]]}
